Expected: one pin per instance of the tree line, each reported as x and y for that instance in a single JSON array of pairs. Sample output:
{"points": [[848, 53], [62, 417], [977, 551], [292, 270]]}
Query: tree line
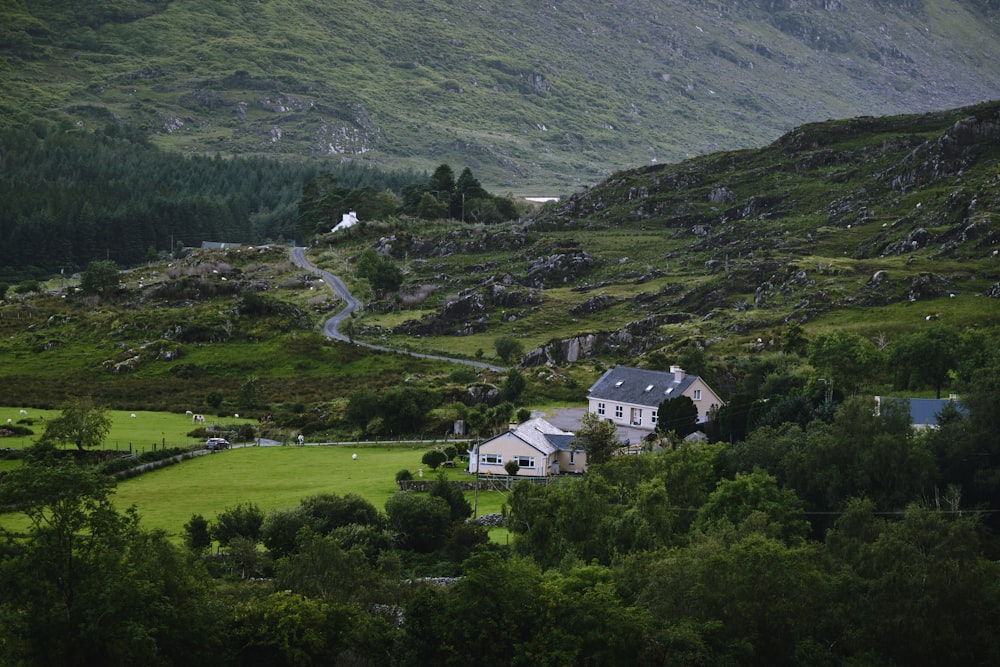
{"points": [[69, 197], [853, 542]]}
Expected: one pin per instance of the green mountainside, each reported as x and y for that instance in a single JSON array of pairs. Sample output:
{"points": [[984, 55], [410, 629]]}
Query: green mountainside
{"points": [[535, 98], [876, 225]]}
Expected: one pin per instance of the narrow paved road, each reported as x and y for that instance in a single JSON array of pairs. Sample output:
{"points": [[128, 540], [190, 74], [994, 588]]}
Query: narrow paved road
{"points": [[331, 327]]}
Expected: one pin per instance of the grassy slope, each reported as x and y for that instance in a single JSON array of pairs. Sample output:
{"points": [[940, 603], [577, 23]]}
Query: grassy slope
{"points": [[530, 96]]}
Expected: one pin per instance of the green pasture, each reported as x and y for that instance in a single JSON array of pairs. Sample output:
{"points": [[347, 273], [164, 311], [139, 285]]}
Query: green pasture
{"points": [[140, 432], [272, 478]]}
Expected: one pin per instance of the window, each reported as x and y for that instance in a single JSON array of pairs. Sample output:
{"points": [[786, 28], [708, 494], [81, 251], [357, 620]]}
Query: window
{"points": [[697, 394], [572, 457], [654, 418], [493, 459], [618, 411], [600, 408], [525, 461]]}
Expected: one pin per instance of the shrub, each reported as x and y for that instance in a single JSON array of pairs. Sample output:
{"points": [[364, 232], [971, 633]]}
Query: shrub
{"points": [[404, 475], [433, 459]]}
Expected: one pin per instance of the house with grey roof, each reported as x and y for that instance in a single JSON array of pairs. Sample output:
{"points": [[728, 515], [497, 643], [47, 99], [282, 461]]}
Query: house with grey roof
{"points": [[539, 448], [631, 397]]}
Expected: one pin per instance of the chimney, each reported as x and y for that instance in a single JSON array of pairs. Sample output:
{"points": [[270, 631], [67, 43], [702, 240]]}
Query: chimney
{"points": [[678, 372]]}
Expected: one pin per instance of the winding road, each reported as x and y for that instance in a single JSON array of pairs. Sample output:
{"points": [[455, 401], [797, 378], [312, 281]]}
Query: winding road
{"points": [[331, 328]]}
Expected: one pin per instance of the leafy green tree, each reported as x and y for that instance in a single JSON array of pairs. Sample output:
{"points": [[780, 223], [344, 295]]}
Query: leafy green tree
{"points": [[861, 454], [845, 359], [430, 208], [281, 528], [419, 522], [405, 409], [512, 467], [793, 339], [86, 585], [926, 357], [81, 423], [433, 458], [287, 628], [101, 277], [197, 537], [362, 406], [929, 593], [679, 415], [457, 502], [329, 511], [735, 500], [513, 386], [381, 272], [507, 348], [244, 520], [598, 438]]}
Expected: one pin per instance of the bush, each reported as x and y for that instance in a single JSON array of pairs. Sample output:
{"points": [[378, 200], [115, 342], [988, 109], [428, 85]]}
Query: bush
{"points": [[404, 475], [433, 459]]}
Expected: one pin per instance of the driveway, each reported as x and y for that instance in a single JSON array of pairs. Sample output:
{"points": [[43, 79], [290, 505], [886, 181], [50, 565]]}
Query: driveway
{"points": [[569, 419]]}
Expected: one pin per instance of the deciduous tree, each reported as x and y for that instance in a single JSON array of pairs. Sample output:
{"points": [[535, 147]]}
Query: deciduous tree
{"points": [[598, 438], [81, 423]]}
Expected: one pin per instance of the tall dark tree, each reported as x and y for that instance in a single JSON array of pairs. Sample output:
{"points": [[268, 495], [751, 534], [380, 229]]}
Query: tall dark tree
{"points": [[679, 415], [441, 184], [926, 357]]}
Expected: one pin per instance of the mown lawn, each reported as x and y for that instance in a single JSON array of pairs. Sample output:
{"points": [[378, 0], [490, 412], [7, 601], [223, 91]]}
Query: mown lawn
{"points": [[272, 478]]}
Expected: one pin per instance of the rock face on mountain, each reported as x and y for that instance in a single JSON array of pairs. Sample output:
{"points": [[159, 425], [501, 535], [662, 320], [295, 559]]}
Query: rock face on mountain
{"points": [[530, 94]]}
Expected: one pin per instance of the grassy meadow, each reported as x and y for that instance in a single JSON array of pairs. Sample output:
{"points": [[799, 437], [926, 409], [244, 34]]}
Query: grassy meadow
{"points": [[140, 432], [271, 477]]}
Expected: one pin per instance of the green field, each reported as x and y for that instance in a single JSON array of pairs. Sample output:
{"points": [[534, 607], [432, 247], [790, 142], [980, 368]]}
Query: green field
{"points": [[273, 478], [139, 432]]}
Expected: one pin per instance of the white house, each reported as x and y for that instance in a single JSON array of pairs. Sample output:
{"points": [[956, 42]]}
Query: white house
{"points": [[348, 220], [539, 448], [631, 396]]}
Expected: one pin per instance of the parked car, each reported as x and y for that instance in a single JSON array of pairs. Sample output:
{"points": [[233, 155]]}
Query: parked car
{"points": [[216, 444]]}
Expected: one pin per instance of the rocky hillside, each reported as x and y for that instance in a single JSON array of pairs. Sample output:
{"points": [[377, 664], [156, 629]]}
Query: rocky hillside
{"points": [[875, 224], [534, 97]]}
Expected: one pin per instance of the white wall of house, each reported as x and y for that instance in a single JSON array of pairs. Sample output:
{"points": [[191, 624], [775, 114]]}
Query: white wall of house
{"points": [[493, 454], [645, 416]]}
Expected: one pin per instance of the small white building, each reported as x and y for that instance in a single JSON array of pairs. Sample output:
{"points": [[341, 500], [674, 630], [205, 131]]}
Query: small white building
{"points": [[631, 396], [347, 221]]}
